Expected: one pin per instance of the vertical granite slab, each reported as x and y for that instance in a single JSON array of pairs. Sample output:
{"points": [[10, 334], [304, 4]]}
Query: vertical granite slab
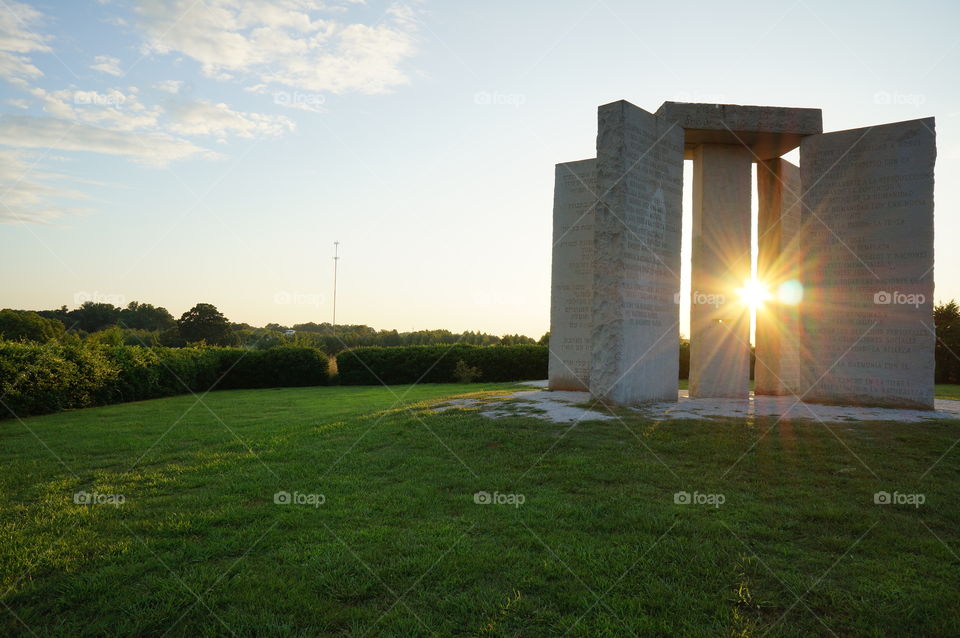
{"points": [[868, 257], [636, 267], [571, 292], [777, 369], [720, 266]]}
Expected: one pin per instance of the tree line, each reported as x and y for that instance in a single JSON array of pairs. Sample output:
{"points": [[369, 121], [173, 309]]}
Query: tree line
{"points": [[145, 324]]}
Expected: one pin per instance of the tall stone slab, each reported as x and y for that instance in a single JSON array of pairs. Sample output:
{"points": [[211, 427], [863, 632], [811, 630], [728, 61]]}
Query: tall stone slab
{"points": [[720, 266], [868, 255], [636, 264], [778, 267], [571, 293]]}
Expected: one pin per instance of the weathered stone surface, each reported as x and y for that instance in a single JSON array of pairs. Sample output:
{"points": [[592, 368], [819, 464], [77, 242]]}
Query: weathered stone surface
{"points": [[571, 298], [769, 131], [868, 251], [720, 265], [636, 268], [778, 266]]}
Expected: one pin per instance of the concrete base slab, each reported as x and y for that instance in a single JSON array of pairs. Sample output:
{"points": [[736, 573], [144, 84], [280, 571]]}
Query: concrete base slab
{"points": [[788, 408], [565, 408], [556, 406]]}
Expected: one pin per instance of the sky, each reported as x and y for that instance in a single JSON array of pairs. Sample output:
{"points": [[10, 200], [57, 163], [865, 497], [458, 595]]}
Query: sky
{"points": [[184, 151]]}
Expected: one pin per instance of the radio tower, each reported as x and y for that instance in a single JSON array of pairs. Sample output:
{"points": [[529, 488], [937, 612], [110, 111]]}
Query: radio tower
{"points": [[336, 258]]}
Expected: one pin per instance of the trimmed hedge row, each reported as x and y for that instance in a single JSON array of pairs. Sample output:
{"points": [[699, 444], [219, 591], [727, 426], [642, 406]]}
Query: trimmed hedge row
{"points": [[435, 364], [40, 378]]}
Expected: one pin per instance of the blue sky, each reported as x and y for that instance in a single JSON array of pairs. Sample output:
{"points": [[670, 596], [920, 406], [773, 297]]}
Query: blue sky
{"points": [[176, 151]]}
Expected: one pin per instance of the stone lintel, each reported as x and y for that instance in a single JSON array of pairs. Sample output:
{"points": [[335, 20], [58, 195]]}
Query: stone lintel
{"points": [[769, 131]]}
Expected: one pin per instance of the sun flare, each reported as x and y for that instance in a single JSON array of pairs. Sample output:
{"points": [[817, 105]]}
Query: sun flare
{"points": [[754, 294]]}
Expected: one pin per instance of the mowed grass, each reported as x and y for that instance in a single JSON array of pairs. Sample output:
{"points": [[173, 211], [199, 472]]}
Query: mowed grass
{"points": [[947, 391], [400, 548]]}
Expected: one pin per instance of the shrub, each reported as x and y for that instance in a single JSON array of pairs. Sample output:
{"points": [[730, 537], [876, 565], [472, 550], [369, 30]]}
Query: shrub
{"points": [[19, 325], [283, 366], [437, 364], [39, 378], [34, 378], [139, 373], [684, 358], [463, 373]]}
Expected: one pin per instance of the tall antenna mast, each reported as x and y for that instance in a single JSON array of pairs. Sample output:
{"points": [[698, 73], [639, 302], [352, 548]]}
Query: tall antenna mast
{"points": [[336, 258]]}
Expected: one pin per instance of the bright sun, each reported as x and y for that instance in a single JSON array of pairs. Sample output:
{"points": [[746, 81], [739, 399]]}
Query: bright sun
{"points": [[754, 293]]}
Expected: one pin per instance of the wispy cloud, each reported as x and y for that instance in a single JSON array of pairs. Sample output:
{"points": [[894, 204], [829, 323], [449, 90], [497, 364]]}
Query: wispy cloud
{"points": [[290, 43], [107, 64], [169, 86], [33, 196], [303, 45], [117, 109], [18, 24], [18, 36], [152, 149], [207, 118]]}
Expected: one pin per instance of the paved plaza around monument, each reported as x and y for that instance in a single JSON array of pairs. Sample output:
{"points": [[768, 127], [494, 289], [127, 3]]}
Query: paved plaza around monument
{"points": [[571, 407]]}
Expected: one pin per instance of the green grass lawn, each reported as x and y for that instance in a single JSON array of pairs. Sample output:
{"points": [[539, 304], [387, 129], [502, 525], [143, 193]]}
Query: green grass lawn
{"points": [[947, 391], [399, 547]]}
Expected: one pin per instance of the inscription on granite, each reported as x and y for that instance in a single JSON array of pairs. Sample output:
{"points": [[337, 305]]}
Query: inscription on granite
{"points": [[574, 201], [636, 265], [868, 255]]}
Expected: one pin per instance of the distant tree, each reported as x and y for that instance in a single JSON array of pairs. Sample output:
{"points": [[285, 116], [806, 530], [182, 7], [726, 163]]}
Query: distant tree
{"points": [[204, 322], [329, 329], [112, 336], [144, 316], [389, 338], [17, 325], [171, 338], [309, 340], [545, 339], [946, 316], [61, 314], [260, 338], [91, 316], [146, 338]]}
